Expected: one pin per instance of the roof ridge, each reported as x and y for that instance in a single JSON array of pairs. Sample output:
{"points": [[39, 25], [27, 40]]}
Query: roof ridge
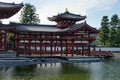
{"points": [[12, 23], [10, 3]]}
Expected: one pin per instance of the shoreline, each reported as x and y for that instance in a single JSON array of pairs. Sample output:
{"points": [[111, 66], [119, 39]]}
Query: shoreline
{"points": [[116, 54], [20, 61]]}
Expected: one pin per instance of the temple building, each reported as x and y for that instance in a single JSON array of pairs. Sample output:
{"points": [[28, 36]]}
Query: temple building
{"points": [[9, 9], [6, 11], [65, 38]]}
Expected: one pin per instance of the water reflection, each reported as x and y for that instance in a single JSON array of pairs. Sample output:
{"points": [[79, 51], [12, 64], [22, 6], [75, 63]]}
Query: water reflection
{"points": [[111, 69], [107, 70], [6, 73], [74, 72], [96, 71]]}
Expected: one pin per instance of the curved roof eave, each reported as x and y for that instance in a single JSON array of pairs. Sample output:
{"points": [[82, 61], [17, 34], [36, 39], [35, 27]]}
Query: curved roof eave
{"points": [[7, 10]]}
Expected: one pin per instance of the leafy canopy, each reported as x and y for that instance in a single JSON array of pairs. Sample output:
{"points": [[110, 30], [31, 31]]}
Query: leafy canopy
{"points": [[28, 15]]}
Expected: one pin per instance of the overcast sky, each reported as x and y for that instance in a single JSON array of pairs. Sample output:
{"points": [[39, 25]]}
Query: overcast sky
{"points": [[93, 9]]}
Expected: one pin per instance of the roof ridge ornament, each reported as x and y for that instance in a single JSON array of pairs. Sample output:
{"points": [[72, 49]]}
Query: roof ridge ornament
{"points": [[66, 10], [85, 22]]}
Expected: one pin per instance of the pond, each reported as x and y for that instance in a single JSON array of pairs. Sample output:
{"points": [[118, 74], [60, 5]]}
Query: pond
{"points": [[106, 70]]}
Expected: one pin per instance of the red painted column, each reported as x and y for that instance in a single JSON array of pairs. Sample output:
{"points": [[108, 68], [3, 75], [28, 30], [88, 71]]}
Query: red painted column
{"points": [[76, 49], [45, 47], [55, 48], [35, 51], [0, 40], [18, 44], [61, 52], [14, 41], [29, 46], [40, 44], [5, 41], [17, 47], [89, 45], [82, 51], [40, 47], [51, 44], [25, 48], [51, 48], [69, 48], [89, 49], [66, 48], [72, 47]]}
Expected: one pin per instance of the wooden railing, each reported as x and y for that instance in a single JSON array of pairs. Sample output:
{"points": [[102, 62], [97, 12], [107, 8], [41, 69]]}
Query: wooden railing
{"points": [[48, 38], [101, 53]]}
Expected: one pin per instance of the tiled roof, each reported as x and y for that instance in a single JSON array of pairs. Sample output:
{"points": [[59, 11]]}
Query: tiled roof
{"points": [[8, 5], [81, 26], [35, 27], [49, 28], [67, 15], [9, 9], [39, 28]]}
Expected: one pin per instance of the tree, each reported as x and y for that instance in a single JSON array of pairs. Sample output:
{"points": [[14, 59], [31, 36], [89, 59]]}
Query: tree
{"points": [[28, 15], [104, 31], [118, 37], [112, 37], [114, 21], [110, 31], [118, 34]]}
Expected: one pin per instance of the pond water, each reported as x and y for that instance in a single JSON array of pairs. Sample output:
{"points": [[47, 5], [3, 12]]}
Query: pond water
{"points": [[106, 70]]}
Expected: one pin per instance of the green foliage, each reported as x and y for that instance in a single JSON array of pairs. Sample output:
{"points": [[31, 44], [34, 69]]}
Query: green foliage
{"points": [[114, 21], [110, 31], [112, 37], [28, 15], [104, 31], [118, 37]]}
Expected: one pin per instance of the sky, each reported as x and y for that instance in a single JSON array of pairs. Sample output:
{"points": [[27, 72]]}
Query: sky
{"points": [[93, 9]]}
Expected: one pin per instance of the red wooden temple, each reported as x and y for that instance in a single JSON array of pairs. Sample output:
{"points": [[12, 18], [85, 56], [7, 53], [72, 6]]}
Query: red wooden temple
{"points": [[65, 38], [6, 11]]}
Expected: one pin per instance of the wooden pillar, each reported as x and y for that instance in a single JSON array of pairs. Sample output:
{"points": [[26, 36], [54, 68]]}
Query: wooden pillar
{"points": [[0, 40], [61, 50], [45, 46], [14, 42], [25, 53], [66, 48], [89, 48], [72, 47], [55, 44], [77, 49], [30, 47], [35, 51], [40, 44], [29, 44], [18, 44], [54, 47], [24, 46], [5, 41], [82, 50], [89, 44], [18, 49], [51, 47]]}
